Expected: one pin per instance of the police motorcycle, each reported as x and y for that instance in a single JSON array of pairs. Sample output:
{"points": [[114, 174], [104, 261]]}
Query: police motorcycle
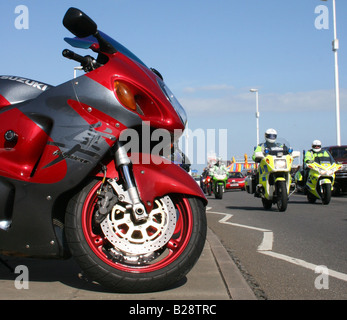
{"points": [[272, 181], [320, 179]]}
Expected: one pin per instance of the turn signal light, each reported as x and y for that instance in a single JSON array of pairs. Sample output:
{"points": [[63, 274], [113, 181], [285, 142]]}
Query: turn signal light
{"points": [[124, 95]]}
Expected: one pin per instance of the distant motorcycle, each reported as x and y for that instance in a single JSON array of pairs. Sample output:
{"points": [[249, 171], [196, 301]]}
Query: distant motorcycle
{"points": [[207, 185], [218, 181], [320, 179], [274, 177]]}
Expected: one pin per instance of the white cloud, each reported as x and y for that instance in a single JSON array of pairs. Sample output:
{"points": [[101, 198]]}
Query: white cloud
{"points": [[215, 87], [319, 100]]}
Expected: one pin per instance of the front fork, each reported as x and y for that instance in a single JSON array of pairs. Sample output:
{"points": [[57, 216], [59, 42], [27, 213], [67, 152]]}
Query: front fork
{"points": [[124, 164]]}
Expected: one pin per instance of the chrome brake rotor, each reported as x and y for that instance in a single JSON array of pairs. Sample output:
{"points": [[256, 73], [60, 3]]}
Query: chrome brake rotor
{"points": [[140, 238]]}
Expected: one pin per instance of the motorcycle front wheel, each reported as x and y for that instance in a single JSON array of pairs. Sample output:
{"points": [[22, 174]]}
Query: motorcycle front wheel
{"points": [[219, 192], [326, 193], [282, 196], [130, 257], [209, 189]]}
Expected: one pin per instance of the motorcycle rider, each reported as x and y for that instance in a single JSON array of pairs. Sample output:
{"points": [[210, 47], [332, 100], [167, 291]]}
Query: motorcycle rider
{"points": [[203, 177], [218, 166], [312, 154], [270, 144], [316, 151]]}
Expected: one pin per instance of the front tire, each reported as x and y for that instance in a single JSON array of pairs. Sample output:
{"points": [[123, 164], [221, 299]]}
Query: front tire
{"points": [[209, 189], [326, 195], [128, 272], [219, 192], [282, 196]]}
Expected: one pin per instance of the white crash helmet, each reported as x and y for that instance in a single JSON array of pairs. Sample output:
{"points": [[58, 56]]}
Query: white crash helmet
{"points": [[270, 135], [316, 146]]}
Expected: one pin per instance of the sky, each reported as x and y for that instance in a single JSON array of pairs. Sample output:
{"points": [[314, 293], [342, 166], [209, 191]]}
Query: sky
{"points": [[211, 53]]}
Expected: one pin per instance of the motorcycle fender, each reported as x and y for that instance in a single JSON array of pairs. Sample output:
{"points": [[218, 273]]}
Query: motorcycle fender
{"points": [[280, 179], [324, 181], [157, 180], [157, 177]]}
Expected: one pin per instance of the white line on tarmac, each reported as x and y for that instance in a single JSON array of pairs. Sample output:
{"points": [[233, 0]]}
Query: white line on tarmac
{"points": [[267, 242], [266, 247], [307, 265], [228, 216]]}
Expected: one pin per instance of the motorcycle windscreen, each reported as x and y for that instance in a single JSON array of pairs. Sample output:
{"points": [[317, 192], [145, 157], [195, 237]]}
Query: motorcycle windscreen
{"points": [[86, 43]]}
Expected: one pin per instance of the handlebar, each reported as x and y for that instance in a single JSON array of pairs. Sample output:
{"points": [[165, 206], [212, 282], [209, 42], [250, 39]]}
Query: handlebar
{"points": [[88, 63], [73, 56]]}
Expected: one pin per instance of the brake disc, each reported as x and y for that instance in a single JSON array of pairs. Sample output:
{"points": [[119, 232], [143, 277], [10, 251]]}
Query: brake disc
{"points": [[140, 238]]}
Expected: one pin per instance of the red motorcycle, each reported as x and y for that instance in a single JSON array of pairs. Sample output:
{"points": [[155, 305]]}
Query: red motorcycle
{"points": [[70, 185], [208, 185]]}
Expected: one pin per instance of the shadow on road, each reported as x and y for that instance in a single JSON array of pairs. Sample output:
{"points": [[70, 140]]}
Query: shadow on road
{"points": [[65, 271]]}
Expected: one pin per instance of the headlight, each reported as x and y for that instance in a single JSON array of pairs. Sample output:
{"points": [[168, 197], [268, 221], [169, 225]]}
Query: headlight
{"points": [[220, 176], [280, 164], [328, 172], [174, 102], [322, 172]]}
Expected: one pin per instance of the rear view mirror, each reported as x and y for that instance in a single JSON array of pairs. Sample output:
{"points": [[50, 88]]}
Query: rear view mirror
{"points": [[79, 23]]}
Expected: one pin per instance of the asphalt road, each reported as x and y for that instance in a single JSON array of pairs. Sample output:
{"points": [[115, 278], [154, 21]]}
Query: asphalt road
{"points": [[279, 254], [297, 254]]}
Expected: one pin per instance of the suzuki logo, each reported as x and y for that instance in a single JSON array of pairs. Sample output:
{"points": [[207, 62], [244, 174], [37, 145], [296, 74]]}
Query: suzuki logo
{"points": [[28, 82]]}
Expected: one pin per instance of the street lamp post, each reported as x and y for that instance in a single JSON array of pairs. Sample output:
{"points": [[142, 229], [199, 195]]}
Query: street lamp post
{"points": [[337, 90], [257, 111]]}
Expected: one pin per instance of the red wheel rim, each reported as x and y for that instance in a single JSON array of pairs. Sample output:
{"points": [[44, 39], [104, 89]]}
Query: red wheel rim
{"points": [[175, 246]]}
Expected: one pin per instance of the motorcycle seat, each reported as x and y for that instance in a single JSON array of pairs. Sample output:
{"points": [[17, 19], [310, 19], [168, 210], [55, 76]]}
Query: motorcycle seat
{"points": [[15, 89]]}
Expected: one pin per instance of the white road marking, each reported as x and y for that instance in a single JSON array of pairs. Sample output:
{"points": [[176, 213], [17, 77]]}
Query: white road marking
{"points": [[268, 240], [266, 247], [228, 216], [307, 265]]}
